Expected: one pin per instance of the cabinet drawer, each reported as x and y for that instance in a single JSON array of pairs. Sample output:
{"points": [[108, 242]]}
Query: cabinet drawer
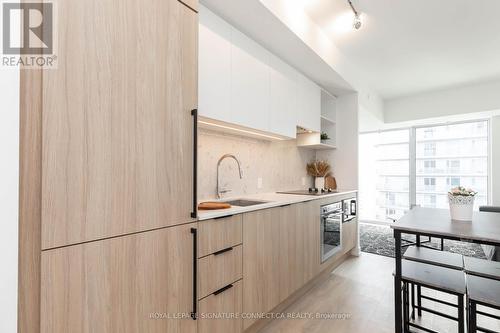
{"points": [[216, 311], [220, 269], [218, 234]]}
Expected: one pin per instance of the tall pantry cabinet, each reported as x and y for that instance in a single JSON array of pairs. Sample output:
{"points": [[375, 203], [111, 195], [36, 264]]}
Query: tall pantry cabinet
{"points": [[108, 201]]}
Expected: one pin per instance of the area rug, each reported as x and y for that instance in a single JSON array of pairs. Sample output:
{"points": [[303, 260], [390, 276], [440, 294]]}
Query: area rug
{"points": [[379, 239]]}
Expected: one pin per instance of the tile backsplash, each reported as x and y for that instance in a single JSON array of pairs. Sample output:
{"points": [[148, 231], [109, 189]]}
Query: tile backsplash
{"points": [[281, 165]]}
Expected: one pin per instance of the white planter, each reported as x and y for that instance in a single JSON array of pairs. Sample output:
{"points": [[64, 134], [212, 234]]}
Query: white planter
{"points": [[319, 182], [461, 207]]}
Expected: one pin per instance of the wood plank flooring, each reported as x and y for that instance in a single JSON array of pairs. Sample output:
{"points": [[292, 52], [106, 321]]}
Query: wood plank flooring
{"points": [[362, 288]]}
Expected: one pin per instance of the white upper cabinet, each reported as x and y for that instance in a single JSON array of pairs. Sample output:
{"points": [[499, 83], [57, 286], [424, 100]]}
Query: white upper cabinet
{"points": [[308, 104], [249, 83], [214, 78], [242, 83], [283, 103]]}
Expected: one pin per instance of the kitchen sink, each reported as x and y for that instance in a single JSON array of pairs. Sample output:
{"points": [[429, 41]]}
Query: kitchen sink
{"points": [[244, 202]]}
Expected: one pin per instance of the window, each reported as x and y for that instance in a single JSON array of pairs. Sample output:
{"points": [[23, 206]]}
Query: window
{"points": [[453, 166], [430, 165], [460, 152], [430, 183], [453, 181], [384, 174], [430, 149], [444, 156]]}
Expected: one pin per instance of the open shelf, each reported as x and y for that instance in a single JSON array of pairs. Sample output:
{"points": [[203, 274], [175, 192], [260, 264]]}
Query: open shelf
{"points": [[328, 120], [319, 146], [312, 141]]}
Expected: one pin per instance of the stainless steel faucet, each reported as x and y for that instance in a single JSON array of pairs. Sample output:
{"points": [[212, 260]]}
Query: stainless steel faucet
{"points": [[219, 191]]}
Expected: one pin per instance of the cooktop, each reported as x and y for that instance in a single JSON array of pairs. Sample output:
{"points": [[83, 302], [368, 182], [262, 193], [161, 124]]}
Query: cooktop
{"points": [[310, 191]]}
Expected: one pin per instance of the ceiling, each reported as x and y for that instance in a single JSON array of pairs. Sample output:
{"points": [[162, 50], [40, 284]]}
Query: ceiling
{"points": [[407, 47]]}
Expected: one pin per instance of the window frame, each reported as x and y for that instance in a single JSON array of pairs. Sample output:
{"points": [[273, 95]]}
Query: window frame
{"points": [[413, 158]]}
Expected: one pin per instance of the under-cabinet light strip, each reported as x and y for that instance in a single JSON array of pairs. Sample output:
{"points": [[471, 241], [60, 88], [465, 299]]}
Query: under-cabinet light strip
{"points": [[240, 130]]}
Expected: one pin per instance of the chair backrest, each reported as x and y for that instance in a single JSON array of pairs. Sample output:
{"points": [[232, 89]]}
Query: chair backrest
{"points": [[491, 209]]}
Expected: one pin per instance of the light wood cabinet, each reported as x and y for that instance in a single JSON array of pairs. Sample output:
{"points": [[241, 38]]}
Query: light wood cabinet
{"points": [[349, 235], [193, 4], [299, 246], [292, 253], [219, 269], [261, 267], [117, 134], [219, 234], [216, 309], [309, 225], [123, 284]]}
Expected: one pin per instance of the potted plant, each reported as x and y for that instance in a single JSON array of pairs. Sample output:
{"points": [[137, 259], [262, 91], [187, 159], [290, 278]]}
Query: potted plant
{"points": [[461, 201], [318, 169], [324, 137]]}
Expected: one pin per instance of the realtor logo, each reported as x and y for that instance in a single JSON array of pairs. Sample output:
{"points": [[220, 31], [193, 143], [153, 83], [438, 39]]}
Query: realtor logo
{"points": [[28, 34]]}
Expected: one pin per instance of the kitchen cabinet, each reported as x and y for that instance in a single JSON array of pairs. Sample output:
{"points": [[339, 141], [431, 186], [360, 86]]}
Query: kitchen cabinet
{"points": [[280, 254], [219, 269], [193, 4], [349, 235], [292, 254], [242, 83], [261, 273], [215, 67], [299, 246], [228, 301], [117, 135], [308, 104], [249, 82], [309, 227], [123, 284], [283, 98], [219, 234]]}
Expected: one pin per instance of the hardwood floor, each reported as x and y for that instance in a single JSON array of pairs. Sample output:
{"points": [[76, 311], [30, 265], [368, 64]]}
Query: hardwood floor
{"points": [[362, 288]]}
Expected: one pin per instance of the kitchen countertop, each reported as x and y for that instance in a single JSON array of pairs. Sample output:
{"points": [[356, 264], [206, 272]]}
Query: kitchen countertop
{"points": [[274, 200]]}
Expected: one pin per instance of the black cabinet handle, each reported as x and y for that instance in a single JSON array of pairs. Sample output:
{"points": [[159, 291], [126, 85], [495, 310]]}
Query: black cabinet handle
{"points": [[222, 217], [223, 251], [194, 113], [194, 314], [223, 289]]}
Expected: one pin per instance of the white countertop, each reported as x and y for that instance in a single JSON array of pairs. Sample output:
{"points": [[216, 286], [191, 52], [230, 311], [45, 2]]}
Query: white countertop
{"points": [[273, 200]]}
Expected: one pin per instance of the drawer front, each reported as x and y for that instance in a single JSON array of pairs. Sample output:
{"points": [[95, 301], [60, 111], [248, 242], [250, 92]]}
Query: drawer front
{"points": [[220, 269], [223, 305], [218, 234]]}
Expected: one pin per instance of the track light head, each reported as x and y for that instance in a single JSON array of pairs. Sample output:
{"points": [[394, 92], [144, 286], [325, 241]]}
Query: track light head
{"points": [[356, 24]]}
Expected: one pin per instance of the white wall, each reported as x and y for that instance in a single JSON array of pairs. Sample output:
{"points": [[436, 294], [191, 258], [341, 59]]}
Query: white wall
{"points": [[371, 112], [461, 100], [9, 193]]}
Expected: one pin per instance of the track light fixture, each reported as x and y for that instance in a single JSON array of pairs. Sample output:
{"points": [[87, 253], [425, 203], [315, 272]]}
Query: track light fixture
{"points": [[356, 24]]}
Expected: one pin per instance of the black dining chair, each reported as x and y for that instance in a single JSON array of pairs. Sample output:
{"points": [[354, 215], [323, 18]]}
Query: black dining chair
{"points": [[492, 209]]}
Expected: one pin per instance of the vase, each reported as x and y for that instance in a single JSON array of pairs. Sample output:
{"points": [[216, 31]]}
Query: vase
{"points": [[319, 182], [461, 207]]}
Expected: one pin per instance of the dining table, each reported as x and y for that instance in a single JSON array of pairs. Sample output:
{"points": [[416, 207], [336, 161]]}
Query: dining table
{"points": [[437, 223]]}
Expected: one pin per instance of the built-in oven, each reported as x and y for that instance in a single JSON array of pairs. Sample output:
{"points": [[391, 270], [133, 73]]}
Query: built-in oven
{"points": [[332, 216]]}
